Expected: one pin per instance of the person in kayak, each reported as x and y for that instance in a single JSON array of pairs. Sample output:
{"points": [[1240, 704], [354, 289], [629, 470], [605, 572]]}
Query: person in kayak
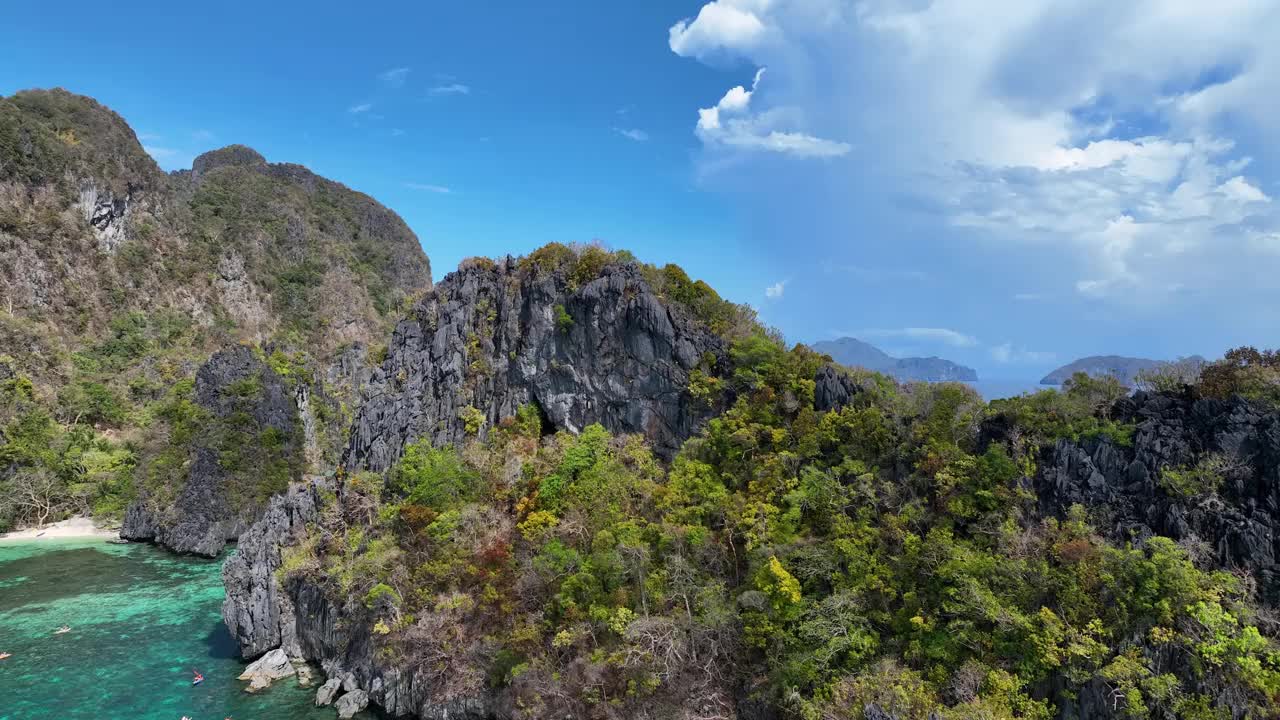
{"points": [[198, 677], [63, 629], [5, 656]]}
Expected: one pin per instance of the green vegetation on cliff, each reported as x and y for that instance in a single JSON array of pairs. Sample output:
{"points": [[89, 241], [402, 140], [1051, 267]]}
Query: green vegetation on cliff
{"points": [[117, 282], [884, 553]]}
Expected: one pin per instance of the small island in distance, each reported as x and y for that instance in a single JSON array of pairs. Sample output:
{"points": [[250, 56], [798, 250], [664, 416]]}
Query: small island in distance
{"points": [[1124, 369], [856, 353]]}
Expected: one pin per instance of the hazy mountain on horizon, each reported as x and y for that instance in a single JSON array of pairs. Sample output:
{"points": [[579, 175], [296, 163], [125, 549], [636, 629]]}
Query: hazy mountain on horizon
{"points": [[1124, 369], [855, 352]]}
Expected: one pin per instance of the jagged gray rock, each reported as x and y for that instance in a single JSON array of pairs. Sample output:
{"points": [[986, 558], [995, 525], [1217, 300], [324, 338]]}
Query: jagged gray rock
{"points": [[833, 389], [351, 703], [267, 669], [327, 692], [256, 609], [492, 337], [203, 517], [1240, 523]]}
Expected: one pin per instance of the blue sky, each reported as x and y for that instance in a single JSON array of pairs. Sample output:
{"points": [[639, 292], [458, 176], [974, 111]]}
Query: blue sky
{"points": [[1007, 183]]}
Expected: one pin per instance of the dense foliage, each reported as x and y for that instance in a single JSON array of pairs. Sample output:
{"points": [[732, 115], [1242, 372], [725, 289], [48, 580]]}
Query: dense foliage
{"points": [[879, 554]]}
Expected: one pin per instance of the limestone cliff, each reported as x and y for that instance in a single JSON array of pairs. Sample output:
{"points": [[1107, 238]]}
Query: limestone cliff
{"points": [[1236, 524], [249, 448], [493, 337]]}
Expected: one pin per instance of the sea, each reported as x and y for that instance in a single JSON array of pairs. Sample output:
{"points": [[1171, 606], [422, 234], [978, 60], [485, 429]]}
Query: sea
{"points": [[1006, 388], [142, 621]]}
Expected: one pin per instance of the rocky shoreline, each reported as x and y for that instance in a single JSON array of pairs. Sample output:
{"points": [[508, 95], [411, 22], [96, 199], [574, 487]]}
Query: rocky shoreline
{"points": [[297, 622]]}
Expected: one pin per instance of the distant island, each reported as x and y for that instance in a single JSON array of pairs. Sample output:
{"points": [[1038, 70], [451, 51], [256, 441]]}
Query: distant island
{"points": [[856, 353], [1124, 369]]}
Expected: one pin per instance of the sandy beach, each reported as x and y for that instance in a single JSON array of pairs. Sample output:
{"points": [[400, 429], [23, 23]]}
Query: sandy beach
{"points": [[76, 527]]}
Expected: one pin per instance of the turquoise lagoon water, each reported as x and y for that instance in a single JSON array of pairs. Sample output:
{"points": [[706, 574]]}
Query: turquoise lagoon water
{"points": [[141, 620]]}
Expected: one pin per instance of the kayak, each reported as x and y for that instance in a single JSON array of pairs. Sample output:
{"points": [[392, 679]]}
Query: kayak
{"points": [[197, 681]]}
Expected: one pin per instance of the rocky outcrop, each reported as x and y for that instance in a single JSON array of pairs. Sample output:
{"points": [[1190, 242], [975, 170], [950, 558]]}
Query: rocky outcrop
{"points": [[327, 692], [351, 703], [833, 389], [338, 638], [256, 609], [493, 337], [234, 385], [267, 669], [106, 214], [229, 156], [241, 298], [1236, 525]]}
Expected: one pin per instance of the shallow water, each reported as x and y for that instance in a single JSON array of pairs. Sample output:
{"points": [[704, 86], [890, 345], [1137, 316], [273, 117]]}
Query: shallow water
{"points": [[142, 620]]}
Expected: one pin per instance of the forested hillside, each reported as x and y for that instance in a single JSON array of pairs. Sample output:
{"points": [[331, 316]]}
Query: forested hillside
{"points": [[119, 283], [828, 545]]}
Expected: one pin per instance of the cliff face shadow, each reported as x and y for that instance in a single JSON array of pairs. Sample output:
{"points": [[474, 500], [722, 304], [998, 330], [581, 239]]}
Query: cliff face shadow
{"points": [[220, 644]]}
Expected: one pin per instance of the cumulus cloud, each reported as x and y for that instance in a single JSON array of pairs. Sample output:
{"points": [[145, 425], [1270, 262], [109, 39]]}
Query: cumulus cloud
{"points": [[360, 108], [394, 78], [731, 24], [944, 336], [730, 123], [1133, 137], [775, 290]]}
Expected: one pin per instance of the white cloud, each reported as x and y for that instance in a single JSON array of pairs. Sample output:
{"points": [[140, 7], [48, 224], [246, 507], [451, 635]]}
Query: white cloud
{"points": [[632, 134], [361, 108], [1111, 134], [395, 77], [729, 123], [775, 290], [924, 334], [451, 89], [202, 135], [720, 25], [396, 132], [1008, 353], [426, 187]]}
